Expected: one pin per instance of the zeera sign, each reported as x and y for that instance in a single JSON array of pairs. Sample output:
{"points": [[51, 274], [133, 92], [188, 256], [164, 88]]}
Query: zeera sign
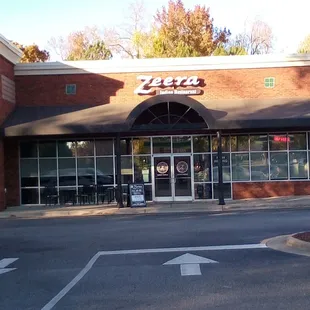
{"points": [[148, 83]]}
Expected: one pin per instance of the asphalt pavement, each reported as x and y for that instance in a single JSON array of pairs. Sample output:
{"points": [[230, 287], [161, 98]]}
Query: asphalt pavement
{"points": [[118, 262]]}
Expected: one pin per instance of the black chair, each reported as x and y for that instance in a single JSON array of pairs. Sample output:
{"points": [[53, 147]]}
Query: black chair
{"points": [[50, 195], [104, 193], [86, 194]]}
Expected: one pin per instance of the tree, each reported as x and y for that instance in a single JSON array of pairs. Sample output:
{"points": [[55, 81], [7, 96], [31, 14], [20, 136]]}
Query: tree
{"points": [[81, 45], [304, 46], [184, 33], [257, 38], [229, 50], [32, 53]]}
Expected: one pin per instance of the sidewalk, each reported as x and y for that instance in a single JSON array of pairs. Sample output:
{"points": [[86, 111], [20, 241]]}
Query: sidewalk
{"points": [[37, 212]]}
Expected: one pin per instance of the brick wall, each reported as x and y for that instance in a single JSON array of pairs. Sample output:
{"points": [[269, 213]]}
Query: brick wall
{"points": [[96, 89], [2, 194], [246, 190], [11, 164], [6, 69]]}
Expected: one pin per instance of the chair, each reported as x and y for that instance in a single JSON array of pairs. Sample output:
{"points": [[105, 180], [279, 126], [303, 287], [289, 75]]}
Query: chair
{"points": [[50, 195], [104, 193], [86, 194]]}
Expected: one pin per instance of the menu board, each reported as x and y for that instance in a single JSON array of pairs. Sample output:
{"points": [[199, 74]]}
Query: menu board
{"points": [[136, 195]]}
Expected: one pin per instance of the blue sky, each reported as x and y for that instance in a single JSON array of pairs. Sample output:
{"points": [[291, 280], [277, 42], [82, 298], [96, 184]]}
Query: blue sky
{"points": [[36, 21]]}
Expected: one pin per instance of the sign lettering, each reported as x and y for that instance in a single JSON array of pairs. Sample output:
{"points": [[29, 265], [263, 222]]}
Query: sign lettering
{"points": [[148, 82]]}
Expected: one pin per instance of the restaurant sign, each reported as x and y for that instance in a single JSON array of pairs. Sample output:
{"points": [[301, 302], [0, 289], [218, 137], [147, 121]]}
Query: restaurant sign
{"points": [[149, 83]]}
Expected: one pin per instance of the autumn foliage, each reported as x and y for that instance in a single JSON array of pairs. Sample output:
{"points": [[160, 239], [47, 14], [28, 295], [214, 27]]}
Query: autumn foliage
{"points": [[32, 53]]}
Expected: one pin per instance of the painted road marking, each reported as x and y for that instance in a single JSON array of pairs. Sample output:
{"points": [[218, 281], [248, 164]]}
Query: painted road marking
{"points": [[90, 264], [190, 264], [6, 262]]}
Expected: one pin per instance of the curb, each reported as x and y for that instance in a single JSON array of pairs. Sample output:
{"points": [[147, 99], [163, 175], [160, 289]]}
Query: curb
{"points": [[292, 241]]}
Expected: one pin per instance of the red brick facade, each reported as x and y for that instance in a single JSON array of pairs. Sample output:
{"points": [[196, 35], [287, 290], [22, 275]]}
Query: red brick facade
{"points": [[97, 89]]}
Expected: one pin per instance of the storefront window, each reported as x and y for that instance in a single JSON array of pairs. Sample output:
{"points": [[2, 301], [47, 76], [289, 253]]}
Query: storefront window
{"points": [[240, 143], [259, 166], [201, 144], [47, 149], [126, 146], [66, 148], [278, 142], [226, 167], [225, 144], [86, 171], [203, 191], [298, 165], [67, 172], [297, 141], [142, 166], [202, 168], [161, 145], [105, 171], [29, 172], [259, 143], [278, 166], [226, 189], [48, 172], [30, 196], [141, 146], [28, 149], [85, 148], [182, 144], [126, 169], [240, 167], [104, 147]]}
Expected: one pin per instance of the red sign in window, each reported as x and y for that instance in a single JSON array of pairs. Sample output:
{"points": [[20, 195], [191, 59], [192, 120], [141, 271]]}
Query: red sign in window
{"points": [[281, 139]]}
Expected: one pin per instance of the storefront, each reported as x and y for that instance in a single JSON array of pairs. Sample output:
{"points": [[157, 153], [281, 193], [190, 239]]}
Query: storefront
{"points": [[106, 123]]}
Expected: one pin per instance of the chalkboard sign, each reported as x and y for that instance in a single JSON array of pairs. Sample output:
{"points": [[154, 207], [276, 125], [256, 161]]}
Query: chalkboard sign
{"points": [[136, 195]]}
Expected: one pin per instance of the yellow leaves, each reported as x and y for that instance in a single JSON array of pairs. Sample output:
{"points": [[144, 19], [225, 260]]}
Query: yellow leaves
{"points": [[32, 53]]}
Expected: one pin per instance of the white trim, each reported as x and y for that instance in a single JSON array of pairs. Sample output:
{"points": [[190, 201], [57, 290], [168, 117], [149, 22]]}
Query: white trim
{"points": [[9, 51], [163, 64]]}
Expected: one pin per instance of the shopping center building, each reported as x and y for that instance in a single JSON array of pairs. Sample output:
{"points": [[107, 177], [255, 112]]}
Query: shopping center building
{"points": [[109, 123]]}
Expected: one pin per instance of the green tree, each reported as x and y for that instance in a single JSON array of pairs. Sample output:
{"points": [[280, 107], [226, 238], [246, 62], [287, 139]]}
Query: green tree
{"points": [[179, 32], [32, 53], [304, 47], [229, 50]]}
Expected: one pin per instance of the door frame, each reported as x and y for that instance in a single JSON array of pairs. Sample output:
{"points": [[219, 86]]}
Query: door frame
{"points": [[173, 197]]}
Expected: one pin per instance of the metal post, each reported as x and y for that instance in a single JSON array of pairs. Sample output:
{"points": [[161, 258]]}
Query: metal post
{"points": [[119, 191], [220, 169]]}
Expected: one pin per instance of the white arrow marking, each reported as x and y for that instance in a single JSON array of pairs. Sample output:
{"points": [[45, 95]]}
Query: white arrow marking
{"points": [[6, 262], [190, 264]]}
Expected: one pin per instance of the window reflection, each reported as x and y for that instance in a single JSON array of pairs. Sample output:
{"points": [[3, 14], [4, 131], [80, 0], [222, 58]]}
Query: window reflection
{"points": [[66, 149], [85, 148], [142, 165], [202, 167]]}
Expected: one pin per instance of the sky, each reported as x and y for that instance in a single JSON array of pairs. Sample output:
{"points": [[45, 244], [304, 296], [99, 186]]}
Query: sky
{"points": [[36, 21]]}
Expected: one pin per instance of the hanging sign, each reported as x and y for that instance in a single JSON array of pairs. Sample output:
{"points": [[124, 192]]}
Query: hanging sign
{"points": [[148, 84]]}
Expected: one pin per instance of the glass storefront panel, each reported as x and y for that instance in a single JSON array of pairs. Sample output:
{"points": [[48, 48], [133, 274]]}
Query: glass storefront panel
{"points": [[67, 195], [104, 147], [48, 172], [67, 171], [240, 143], [278, 142], [141, 146], [30, 196], [240, 167], [142, 167], [86, 171], [298, 165], [126, 146], [201, 144], [259, 166], [28, 149], [226, 189], [278, 166], [66, 148], [85, 148], [126, 169], [161, 145], [259, 142], [203, 191], [297, 141], [47, 149], [148, 192], [29, 172], [182, 144], [225, 144], [202, 167], [105, 170], [226, 167]]}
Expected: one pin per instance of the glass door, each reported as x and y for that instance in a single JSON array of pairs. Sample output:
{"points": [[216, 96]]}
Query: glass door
{"points": [[162, 178], [182, 182]]}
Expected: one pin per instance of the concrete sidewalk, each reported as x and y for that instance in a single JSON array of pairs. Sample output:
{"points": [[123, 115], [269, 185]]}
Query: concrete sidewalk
{"points": [[157, 208]]}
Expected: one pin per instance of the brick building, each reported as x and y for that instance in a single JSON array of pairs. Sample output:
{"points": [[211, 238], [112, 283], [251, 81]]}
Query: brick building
{"points": [[68, 125]]}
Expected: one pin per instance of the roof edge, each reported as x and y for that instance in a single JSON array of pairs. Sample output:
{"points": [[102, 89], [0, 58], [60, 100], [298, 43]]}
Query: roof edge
{"points": [[9, 51], [164, 64]]}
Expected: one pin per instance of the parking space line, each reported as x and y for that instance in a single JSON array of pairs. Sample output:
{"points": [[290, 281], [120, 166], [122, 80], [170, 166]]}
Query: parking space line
{"points": [[92, 261]]}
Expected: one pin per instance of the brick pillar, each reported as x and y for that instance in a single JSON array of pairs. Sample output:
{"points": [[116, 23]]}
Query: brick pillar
{"points": [[2, 186]]}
